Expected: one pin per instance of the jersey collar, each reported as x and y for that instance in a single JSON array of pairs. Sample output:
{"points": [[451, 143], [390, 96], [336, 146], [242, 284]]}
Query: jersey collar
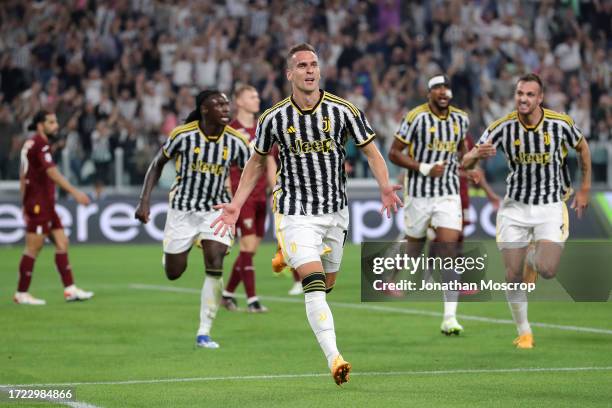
{"points": [[211, 138], [311, 110], [439, 117], [532, 127]]}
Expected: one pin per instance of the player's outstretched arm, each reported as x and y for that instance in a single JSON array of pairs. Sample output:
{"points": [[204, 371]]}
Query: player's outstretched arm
{"points": [[389, 198], [151, 178], [581, 199], [481, 151], [61, 181], [230, 211]]}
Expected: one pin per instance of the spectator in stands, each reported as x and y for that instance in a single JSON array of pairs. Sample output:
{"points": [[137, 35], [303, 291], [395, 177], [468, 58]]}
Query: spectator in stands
{"points": [[88, 59]]}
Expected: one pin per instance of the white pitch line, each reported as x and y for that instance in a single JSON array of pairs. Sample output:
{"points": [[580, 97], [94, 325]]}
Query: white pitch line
{"points": [[387, 309], [311, 375]]}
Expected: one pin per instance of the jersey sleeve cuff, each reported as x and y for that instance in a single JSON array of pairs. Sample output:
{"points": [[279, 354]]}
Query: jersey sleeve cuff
{"points": [[401, 139], [166, 154], [580, 139], [367, 141], [260, 152]]}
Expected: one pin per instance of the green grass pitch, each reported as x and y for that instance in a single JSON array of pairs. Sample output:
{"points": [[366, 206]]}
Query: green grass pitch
{"points": [[132, 345]]}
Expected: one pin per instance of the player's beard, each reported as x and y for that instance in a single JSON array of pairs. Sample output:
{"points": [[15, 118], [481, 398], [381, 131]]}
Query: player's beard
{"points": [[440, 107], [52, 136]]}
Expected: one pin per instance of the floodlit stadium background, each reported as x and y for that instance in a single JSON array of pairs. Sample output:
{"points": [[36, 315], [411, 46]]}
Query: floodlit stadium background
{"points": [[122, 74]]}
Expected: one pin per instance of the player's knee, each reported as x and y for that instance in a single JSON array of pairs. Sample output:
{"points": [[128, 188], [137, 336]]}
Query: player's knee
{"points": [[213, 259], [514, 275], [32, 252], [61, 245], [174, 269], [173, 274], [546, 271]]}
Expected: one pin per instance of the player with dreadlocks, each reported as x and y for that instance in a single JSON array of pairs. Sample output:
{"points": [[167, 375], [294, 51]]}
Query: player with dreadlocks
{"points": [[203, 150]]}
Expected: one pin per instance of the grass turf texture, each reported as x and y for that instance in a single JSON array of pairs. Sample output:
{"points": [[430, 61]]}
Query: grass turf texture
{"points": [[125, 334]]}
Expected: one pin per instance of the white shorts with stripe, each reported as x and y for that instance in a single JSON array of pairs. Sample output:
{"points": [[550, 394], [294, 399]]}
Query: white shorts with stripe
{"points": [[184, 228], [313, 238], [519, 223], [422, 212]]}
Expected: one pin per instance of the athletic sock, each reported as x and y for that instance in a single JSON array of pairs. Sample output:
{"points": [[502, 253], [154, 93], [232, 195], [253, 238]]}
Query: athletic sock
{"points": [[450, 296], [210, 300], [517, 300], [64, 269], [235, 277], [450, 303], [319, 315], [248, 274], [26, 266]]}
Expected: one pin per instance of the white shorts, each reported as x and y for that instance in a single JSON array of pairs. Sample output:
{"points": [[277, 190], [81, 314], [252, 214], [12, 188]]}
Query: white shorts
{"points": [[313, 238], [519, 223], [421, 212], [185, 227]]}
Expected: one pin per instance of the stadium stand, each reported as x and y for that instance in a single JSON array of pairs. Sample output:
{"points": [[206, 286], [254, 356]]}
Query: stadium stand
{"points": [[121, 74]]}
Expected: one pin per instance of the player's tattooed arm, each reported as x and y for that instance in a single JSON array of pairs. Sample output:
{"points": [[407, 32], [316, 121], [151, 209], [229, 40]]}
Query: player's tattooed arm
{"points": [[151, 178], [581, 199]]}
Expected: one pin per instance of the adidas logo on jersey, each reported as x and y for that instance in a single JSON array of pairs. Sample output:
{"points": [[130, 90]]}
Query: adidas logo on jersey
{"points": [[290, 130]]}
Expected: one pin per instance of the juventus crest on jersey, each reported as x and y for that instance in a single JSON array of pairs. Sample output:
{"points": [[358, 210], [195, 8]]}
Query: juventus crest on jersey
{"points": [[535, 155], [430, 139], [202, 164], [311, 179]]}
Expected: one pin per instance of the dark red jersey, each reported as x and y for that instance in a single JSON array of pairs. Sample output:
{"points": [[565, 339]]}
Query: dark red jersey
{"points": [[39, 196], [464, 184], [259, 193]]}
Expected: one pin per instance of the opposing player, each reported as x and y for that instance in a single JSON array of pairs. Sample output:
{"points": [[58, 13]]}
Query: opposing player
{"points": [[310, 128], [534, 141], [251, 223], [38, 177], [203, 149], [433, 134]]}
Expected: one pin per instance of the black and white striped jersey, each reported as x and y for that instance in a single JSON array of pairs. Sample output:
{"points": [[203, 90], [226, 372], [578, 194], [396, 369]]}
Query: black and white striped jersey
{"points": [[202, 165], [535, 155], [311, 179], [431, 139]]}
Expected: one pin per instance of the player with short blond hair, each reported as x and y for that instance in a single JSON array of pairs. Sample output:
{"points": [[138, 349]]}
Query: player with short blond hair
{"points": [[251, 224]]}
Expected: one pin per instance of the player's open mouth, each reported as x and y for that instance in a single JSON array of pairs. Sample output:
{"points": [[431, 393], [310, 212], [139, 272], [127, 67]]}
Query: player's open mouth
{"points": [[310, 80]]}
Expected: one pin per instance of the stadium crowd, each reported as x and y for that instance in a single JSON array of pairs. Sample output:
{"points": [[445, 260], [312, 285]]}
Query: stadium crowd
{"points": [[123, 73]]}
